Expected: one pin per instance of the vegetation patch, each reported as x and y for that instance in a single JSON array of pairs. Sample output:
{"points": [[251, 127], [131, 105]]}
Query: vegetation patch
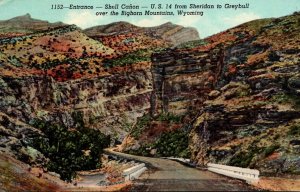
{"points": [[294, 130], [169, 117], [128, 59], [192, 44], [70, 150], [242, 159], [170, 144], [285, 98], [144, 150], [174, 144], [142, 124], [270, 149]]}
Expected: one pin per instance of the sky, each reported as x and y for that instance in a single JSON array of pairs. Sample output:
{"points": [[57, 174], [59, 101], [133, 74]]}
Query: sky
{"points": [[212, 21]]}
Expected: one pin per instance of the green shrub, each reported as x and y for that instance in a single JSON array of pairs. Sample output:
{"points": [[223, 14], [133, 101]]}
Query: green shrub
{"points": [[294, 130], [287, 98], [128, 59], [173, 143], [143, 150], [270, 149], [170, 144], [242, 159], [192, 44], [169, 117], [70, 150], [141, 124]]}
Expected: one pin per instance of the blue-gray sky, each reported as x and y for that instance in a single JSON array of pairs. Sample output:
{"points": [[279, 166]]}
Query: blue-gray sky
{"points": [[213, 20]]}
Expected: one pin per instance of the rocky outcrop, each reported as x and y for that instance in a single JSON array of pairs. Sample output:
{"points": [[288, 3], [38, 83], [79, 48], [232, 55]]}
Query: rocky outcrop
{"points": [[182, 79], [15, 139]]}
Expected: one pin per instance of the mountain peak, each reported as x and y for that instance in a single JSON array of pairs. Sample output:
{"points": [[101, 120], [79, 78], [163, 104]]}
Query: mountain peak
{"points": [[167, 23], [26, 24], [26, 17]]}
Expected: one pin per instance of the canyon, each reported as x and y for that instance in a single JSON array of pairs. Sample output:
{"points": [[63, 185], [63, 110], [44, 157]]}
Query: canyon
{"points": [[231, 98], [235, 95]]}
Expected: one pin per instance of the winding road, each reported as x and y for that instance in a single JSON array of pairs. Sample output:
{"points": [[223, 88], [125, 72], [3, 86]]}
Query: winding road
{"points": [[168, 175]]}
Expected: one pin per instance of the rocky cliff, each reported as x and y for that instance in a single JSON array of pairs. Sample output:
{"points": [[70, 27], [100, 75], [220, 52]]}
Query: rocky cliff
{"points": [[180, 77], [236, 96]]}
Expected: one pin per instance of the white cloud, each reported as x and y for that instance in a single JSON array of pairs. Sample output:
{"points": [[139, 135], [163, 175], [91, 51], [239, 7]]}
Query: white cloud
{"points": [[150, 21], [2, 2], [82, 19], [241, 18]]}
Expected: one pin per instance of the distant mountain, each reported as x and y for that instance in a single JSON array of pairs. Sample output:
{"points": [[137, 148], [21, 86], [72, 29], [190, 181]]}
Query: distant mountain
{"points": [[26, 24], [172, 33]]}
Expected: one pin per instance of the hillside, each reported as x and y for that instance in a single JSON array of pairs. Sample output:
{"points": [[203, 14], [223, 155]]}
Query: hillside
{"points": [[52, 52]]}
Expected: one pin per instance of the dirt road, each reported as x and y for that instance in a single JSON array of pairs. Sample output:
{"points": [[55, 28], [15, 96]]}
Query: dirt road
{"points": [[168, 175]]}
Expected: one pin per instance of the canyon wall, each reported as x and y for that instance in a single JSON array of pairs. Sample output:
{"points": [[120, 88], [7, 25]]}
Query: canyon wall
{"points": [[237, 93]]}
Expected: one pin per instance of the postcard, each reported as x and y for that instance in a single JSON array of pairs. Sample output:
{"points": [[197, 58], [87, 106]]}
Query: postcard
{"points": [[134, 95]]}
